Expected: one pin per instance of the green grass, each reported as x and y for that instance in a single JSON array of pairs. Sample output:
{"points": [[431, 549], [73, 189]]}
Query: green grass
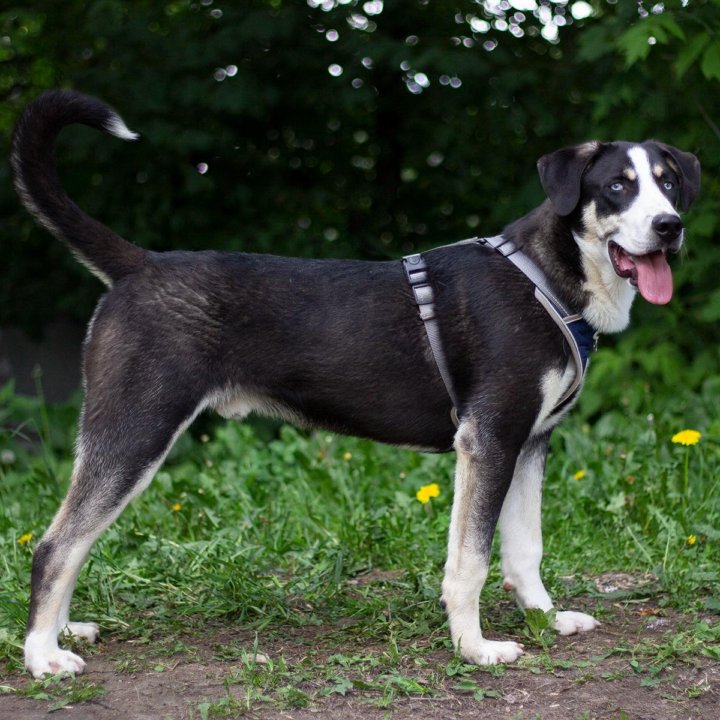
{"points": [[238, 528]]}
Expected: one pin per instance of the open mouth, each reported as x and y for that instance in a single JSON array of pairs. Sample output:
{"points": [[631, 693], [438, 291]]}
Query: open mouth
{"points": [[650, 273]]}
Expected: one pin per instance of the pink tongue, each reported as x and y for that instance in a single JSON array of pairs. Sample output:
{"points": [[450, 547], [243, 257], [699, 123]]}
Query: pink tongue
{"points": [[654, 277]]}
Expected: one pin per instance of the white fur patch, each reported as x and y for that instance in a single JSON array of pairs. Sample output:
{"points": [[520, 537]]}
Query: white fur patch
{"points": [[569, 622], [44, 657], [237, 403], [83, 631], [553, 386], [521, 533], [117, 127]]}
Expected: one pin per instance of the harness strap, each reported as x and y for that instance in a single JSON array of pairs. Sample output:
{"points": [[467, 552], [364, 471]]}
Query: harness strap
{"points": [[416, 272], [579, 335]]}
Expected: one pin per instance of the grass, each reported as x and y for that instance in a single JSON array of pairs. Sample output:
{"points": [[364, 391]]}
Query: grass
{"points": [[299, 530]]}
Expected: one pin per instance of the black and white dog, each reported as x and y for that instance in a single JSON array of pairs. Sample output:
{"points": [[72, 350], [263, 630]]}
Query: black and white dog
{"points": [[341, 345]]}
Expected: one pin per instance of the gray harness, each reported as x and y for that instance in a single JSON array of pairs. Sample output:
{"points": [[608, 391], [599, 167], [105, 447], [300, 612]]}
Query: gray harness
{"points": [[580, 337]]}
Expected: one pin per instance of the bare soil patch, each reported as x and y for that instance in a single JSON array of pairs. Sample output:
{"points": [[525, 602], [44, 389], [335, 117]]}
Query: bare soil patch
{"points": [[588, 677]]}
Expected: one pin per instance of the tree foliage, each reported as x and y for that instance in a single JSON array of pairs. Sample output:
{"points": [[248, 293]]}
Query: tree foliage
{"points": [[353, 128]]}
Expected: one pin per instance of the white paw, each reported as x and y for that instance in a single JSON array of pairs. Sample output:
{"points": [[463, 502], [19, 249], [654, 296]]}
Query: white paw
{"points": [[491, 652], [568, 622], [82, 631], [53, 662]]}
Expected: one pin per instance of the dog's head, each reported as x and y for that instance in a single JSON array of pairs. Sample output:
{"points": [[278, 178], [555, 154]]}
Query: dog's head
{"points": [[621, 200]]}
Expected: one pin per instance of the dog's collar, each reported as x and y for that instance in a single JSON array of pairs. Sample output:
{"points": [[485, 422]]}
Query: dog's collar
{"points": [[579, 334]]}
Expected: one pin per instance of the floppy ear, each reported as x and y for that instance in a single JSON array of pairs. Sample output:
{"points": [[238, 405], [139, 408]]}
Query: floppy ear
{"points": [[561, 174], [687, 166]]}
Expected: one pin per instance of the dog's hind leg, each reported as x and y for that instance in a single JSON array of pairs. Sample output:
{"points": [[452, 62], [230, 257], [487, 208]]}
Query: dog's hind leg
{"points": [[521, 538], [482, 476], [123, 440]]}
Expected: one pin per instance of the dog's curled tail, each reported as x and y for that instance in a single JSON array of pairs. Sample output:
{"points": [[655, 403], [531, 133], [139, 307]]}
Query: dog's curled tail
{"points": [[103, 251]]}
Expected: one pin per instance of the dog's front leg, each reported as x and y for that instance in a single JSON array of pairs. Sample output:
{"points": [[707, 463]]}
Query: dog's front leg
{"points": [[483, 473], [521, 538]]}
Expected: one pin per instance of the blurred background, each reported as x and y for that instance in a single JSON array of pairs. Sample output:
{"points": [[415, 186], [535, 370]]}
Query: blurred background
{"points": [[351, 128]]}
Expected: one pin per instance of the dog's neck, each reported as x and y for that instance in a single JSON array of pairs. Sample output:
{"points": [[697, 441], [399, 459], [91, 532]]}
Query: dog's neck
{"points": [[576, 266], [547, 239]]}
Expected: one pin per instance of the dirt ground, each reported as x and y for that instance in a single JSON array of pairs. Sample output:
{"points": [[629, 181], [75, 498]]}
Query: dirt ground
{"points": [[577, 680]]}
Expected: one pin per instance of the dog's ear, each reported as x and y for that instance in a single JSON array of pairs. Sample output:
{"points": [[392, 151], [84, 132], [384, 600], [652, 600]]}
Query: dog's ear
{"points": [[687, 167], [561, 174]]}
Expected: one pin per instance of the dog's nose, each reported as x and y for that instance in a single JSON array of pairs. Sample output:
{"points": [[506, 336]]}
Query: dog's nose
{"points": [[667, 227]]}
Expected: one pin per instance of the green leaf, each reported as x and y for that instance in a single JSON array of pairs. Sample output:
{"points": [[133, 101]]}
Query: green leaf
{"points": [[689, 54], [60, 704], [650, 682], [634, 43], [539, 625], [710, 64], [341, 687], [595, 42], [667, 22], [481, 694]]}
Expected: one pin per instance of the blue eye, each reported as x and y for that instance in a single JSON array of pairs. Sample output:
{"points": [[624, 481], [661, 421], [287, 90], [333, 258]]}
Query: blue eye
{"points": [[616, 186], [668, 185]]}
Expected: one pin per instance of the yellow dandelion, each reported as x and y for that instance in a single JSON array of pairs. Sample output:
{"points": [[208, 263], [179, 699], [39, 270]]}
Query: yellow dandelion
{"points": [[579, 475], [347, 456], [25, 539], [177, 507], [427, 491], [687, 437], [691, 540]]}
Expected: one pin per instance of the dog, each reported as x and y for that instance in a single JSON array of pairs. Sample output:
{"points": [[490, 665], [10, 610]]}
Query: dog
{"points": [[341, 345]]}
